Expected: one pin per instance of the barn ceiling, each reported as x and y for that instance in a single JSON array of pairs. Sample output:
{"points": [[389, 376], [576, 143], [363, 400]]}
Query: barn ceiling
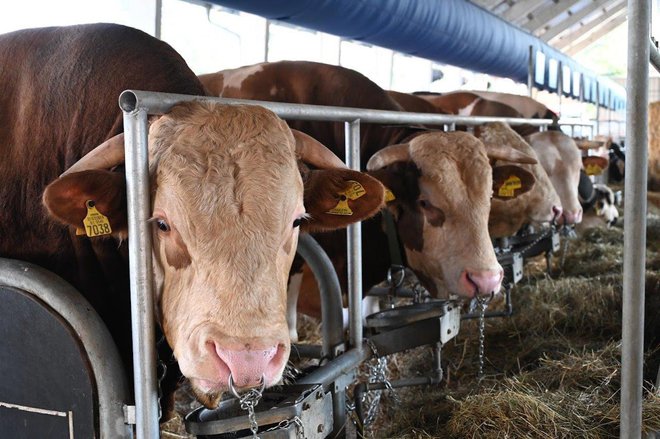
{"points": [[567, 25]]}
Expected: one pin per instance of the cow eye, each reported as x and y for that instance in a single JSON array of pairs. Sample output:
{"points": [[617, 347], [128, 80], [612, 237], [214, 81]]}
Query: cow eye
{"points": [[297, 222], [162, 225], [423, 204]]}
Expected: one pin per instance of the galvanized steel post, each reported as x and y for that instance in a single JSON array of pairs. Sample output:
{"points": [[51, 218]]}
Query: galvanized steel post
{"points": [[634, 236], [354, 243], [139, 241]]}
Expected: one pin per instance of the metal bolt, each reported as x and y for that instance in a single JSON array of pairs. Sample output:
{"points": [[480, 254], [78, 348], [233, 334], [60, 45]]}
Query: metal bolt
{"points": [[319, 429], [306, 406], [319, 395]]}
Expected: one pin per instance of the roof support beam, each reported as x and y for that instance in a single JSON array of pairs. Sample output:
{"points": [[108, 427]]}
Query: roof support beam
{"points": [[577, 16], [542, 17], [602, 20], [609, 27], [519, 11]]}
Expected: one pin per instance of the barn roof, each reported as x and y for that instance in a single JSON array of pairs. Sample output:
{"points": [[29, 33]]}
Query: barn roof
{"points": [[456, 32]]}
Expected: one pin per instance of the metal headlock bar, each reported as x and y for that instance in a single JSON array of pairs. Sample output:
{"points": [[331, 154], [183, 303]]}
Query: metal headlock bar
{"points": [[634, 233], [137, 105]]}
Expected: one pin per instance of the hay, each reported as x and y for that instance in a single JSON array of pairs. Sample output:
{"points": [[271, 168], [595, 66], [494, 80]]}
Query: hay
{"points": [[552, 369]]}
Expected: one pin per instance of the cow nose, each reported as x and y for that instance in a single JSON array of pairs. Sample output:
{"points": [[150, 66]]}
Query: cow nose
{"points": [[557, 211], [572, 216], [483, 283], [248, 366]]}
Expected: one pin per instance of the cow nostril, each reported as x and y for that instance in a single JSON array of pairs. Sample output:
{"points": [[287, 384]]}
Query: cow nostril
{"points": [[557, 211]]}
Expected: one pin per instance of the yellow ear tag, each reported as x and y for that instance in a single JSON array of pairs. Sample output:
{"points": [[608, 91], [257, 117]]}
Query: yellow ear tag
{"points": [[593, 169], [353, 192], [96, 224], [509, 186], [389, 196]]}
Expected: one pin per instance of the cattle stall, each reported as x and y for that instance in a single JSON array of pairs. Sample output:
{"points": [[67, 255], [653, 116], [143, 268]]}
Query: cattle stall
{"points": [[340, 372], [139, 105]]}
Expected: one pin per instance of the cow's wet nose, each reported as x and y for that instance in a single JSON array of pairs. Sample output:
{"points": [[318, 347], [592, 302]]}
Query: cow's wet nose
{"points": [[248, 366], [483, 283], [556, 211], [572, 216]]}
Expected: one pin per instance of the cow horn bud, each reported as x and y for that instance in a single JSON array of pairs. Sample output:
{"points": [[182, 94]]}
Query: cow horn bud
{"points": [[108, 154], [389, 155], [313, 152]]}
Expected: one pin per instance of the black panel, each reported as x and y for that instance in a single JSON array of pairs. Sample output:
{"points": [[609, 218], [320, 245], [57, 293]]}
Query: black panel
{"points": [[43, 369]]}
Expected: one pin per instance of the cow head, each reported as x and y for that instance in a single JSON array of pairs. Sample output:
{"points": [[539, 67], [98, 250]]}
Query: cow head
{"points": [[228, 201], [540, 205], [443, 184], [561, 159]]}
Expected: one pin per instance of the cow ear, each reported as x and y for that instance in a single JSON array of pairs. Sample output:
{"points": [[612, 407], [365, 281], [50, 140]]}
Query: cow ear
{"points": [[511, 181], [335, 198], [77, 200], [594, 165]]}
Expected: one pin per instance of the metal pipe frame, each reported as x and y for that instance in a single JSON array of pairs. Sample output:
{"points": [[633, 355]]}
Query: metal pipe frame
{"points": [[654, 56], [634, 234], [159, 103], [332, 325], [136, 106], [140, 269], [354, 244], [112, 386]]}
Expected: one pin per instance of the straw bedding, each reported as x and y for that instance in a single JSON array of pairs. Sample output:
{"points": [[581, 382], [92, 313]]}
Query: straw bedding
{"points": [[552, 370]]}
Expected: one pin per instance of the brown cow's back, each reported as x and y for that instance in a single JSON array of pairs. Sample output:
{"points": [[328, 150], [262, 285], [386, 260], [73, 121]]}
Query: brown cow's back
{"points": [[58, 100], [305, 82]]}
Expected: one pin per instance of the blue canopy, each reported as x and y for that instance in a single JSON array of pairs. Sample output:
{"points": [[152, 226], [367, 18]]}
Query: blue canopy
{"points": [[454, 32]]}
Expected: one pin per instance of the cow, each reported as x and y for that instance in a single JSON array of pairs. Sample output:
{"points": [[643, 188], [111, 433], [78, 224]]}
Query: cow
{"points": [[467, 103], [441, 182], [228, 197], [529, 108], [557, 152], [541, 205], [617, 164], [598, 203], [415, 104], [484, 103], [561, 159]]}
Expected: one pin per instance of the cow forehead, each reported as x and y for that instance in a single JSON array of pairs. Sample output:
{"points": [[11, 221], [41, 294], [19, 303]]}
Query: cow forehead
{"points": [[225, 167], [455, 161]]}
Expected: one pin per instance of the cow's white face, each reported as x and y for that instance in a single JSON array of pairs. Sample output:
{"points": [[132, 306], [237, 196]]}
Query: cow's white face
{"points": [[227, 204], [561, 159], [540, 205], [443, 190], [228, 198]]}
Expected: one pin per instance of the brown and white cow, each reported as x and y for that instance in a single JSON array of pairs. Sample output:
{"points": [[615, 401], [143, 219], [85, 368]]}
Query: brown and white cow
{"points": [[528, 107], [467, 103], [557, 152], [540, 205], [442, 181], [562, 160], [414, 103], [227, 197]]}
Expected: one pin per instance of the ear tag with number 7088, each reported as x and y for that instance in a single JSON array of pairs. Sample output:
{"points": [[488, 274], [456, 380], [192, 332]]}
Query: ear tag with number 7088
{"points": [[96, 224]]}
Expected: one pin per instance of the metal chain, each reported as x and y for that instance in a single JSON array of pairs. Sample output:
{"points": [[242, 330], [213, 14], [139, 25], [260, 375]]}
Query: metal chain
{"points": [[482, 303], [482, 337], [248, 402], [542, 236], [377, 374], [563, 254], [300, 428]]}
